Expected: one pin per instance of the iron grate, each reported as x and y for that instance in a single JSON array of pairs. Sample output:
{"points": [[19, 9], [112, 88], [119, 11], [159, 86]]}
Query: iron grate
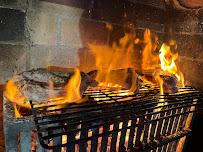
{"points": [[108, 121]]}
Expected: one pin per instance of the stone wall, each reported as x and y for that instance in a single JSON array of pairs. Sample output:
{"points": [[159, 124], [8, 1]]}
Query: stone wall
{"points": [[57, 33], [41, 33], [186, 28]]}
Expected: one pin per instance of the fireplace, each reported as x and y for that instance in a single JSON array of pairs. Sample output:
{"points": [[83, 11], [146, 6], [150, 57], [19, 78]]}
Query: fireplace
{"points": [[49, 33]]}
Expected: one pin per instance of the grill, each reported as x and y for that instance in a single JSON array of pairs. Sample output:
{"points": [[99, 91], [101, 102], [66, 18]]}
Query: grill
{"points": [[112, 120]]}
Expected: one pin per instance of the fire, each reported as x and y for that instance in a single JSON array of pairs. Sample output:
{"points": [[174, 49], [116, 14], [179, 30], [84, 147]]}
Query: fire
{"points": [[112, 62], [166, 60], [73, 87], [168, 64], [150, 61], [13, 93], [72, 90]]}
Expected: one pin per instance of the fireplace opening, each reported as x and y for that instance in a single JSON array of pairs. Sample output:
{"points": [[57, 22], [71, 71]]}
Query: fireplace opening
{"points": [[101, 75]]}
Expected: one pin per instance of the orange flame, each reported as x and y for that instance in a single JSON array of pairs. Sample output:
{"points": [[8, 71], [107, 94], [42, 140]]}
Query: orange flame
{"points": [[73, 87], [72, 90], [12, 93], [110, 59], [168, 64], [149, 61]]}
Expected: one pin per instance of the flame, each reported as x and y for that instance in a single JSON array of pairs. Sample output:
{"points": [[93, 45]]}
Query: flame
{"points": [[166, 57], [112, 61], [13, 94], [149, 61], [73, 87], [72, 90], [168, 64]]}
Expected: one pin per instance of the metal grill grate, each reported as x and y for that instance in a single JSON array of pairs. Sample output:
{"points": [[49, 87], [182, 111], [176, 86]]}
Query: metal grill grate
{"points": [[118, 121]]}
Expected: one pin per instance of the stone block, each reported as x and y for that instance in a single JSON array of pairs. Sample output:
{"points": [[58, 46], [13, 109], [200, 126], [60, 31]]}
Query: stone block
{"points": [[14, 4], [42, 28], [57, 56], [82, 32], [70, 32], [192, 27], [60, 10], [150, 13], [91, 31], [87, 60], [18, 128], [74, 3], [189, 45], [65, 57], [175, 15], [39, 57], [154, 3], [113, 11], [12, 25], [121, 12], [13, 57], [192, 71], [150, 25]]}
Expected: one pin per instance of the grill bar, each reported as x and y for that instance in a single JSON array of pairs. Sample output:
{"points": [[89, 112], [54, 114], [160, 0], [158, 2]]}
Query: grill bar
{"points": [[141, 122]]}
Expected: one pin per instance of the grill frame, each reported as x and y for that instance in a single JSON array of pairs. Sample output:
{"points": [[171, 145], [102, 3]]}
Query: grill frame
{"points": [[172, 110]]}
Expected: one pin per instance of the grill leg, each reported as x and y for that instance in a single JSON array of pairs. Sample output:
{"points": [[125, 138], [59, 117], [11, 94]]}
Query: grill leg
{"points": [[114, 137], [39, 147], [147, 127], [84, 134], [158, 133], [139, 133], [123, 135], [132, 134], [104, 141], [57, 140], [94, 142], [71, 146], [153, 128]]}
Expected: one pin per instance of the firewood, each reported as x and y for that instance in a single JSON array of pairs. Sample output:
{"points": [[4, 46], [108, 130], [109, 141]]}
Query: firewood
{"points": [[169, 79], [39, 84], [127, 78]]}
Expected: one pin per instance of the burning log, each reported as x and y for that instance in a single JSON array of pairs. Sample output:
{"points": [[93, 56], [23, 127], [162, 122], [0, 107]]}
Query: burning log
{"points": [[127, 78], [40, 85], [169, 80]]}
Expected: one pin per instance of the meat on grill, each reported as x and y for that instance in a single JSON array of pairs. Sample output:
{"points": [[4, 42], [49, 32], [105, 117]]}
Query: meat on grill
{"points": [[35, 84]]}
